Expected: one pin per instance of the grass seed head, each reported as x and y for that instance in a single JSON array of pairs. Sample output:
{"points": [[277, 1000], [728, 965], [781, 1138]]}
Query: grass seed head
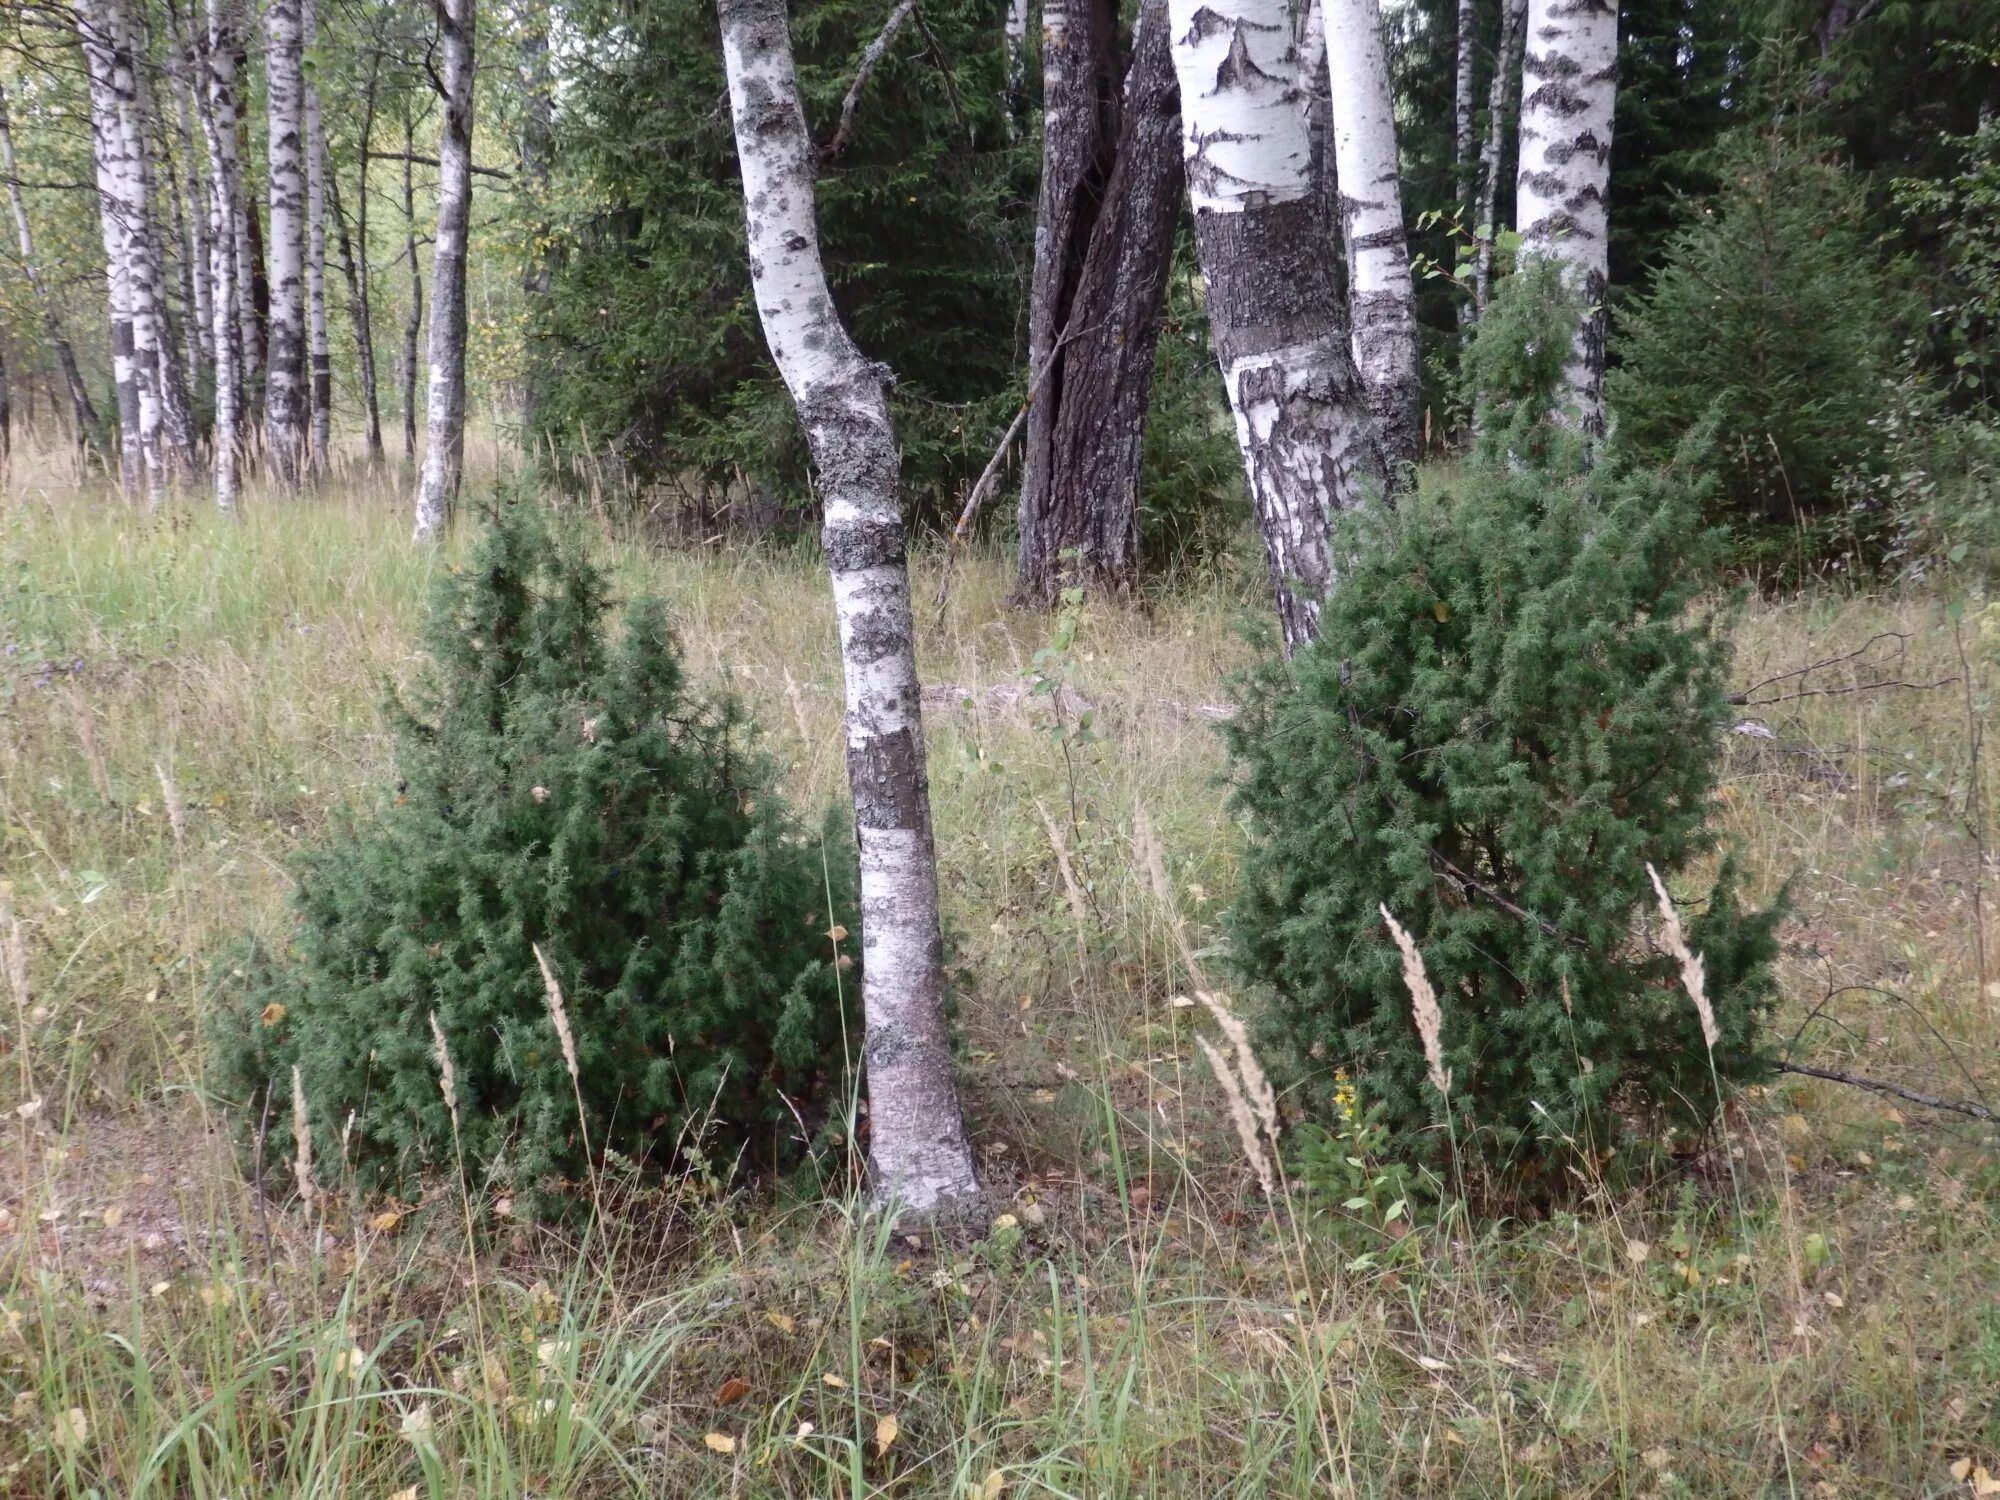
{"points": [[1423, 1005], [1694, 970]]}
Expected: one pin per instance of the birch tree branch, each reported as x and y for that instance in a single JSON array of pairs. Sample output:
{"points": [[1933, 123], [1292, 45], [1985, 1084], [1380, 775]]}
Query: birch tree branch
{"points": [[871, 55]]}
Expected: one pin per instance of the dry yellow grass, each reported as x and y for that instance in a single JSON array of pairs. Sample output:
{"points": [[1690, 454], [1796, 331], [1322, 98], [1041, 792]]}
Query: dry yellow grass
{"points": [[1132, 1321]]}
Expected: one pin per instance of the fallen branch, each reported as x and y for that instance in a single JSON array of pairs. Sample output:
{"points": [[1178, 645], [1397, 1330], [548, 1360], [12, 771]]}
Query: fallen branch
{"points": [[1893, 1090], [1746, 699]]}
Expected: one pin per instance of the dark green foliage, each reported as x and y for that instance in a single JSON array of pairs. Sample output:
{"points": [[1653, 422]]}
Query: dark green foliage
{"points": [[1512, 707], [648, 348], [565, 788], [1774, 319]]}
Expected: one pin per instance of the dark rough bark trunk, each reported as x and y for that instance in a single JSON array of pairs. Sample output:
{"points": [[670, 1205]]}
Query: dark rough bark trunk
{"points": [[414, 322], [1086, 507]]}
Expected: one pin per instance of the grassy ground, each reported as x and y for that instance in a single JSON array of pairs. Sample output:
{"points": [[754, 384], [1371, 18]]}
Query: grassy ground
{"points": [[1811, 1309]]}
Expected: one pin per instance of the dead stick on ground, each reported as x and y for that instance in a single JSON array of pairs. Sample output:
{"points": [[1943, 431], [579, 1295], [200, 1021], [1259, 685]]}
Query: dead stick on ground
{"points": [[1894, 1090]]}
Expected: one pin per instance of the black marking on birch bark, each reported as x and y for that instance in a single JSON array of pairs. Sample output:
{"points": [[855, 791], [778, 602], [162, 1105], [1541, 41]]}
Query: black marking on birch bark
{"points": [[1270, 278], [886, 774], [866, 543]]}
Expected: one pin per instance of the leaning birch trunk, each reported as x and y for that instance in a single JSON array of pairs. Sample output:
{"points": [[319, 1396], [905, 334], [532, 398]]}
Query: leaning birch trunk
{"points": [[217, 110], [1274, 311], [917, 1140], [287, 413], [1381, 297], [1569, 83], [1506, 69], [89, 426], [319, 351], [444, 451]]}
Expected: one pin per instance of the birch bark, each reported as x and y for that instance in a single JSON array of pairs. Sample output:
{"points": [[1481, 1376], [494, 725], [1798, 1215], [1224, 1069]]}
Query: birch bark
{"points": [[89, 426], [319, 351], [1301, 418], [1506, 68], [225, 197], [287, 414], [1569, 81], [918, 1145], [444, 451], [413, 320], [1461, 100], [1381, 297]]}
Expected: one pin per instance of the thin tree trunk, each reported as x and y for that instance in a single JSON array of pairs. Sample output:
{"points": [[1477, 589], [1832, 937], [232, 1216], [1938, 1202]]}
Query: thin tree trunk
{"points": [[6, 413], [1274, 309], [287, 402], [1463, 142], [89, 426], [1080, 106], [1381, 297], [1090, 498], [177, 427], [917, 1138], [253, 291], [537, 150], [1492, 157], [1569, 83], [444, 450], [225, 197], [413, 323], [187, 76], [1017, 59], [319, 347], [354, 271]]}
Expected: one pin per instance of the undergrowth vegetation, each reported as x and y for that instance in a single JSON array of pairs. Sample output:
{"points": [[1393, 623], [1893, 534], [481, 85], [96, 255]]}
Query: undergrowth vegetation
{"points": [[1797, 1301]]}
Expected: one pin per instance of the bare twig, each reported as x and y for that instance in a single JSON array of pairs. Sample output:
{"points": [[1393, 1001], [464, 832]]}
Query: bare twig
{"points": [[1975, 806], [1746, 698], [871, 55], [431, 161], [1893, 1090]]}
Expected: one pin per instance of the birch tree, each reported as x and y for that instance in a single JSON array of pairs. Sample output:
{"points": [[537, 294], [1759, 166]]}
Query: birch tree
{"points": [[1381, 297], [918, 1145], [1461, 99], [413, 316], [137, 118], [89, 426], [1274, 309], [444, 451], [319, 350], [217, 111], [1569, 80], [287, 414], [1506, 69], [1103, 244]]}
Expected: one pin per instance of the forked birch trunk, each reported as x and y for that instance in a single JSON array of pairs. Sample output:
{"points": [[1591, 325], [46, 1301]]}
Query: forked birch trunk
{"points": [[444, 450], [1569, 84], [89, 426], [917, 1141], [319, 350], [1274, 310], [287, 413], [218, 122], [1381, 297]]}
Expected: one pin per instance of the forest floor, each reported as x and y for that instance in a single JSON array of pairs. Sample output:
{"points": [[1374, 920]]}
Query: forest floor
{"points": [[1809, 1305]]}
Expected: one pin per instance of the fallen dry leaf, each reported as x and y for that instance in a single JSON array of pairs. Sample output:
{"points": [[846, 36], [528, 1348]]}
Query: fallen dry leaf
{"points": [[386, 1221], [781, 1321], [886, 1428], [719, 1442], [732, 1390]]}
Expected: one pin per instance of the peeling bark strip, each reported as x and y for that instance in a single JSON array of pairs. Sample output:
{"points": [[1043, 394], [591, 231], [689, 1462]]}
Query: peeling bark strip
{"points": [[286, 404], [1382, 298], [1569, 83], [89, 426], [917, 1143], [444, 453], [1273, 307]]}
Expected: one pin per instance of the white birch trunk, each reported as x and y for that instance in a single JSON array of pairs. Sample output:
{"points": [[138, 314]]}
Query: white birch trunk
{"points": [[177, 432], [89, 427], [217, 109], [1017, 56], [444, 453], [319, 349], [918, 1144], [1301, 418], [1569, 82], [286, 404], [1381, 297], [106, 142], [1461, 99]]}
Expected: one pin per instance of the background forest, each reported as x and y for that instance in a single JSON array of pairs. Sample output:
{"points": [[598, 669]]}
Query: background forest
{"points": [[1370, 880]]}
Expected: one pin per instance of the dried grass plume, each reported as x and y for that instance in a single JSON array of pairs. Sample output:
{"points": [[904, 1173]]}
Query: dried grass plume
{"points": [[1694, 970], [1423, 1004], [302, 1138]]}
